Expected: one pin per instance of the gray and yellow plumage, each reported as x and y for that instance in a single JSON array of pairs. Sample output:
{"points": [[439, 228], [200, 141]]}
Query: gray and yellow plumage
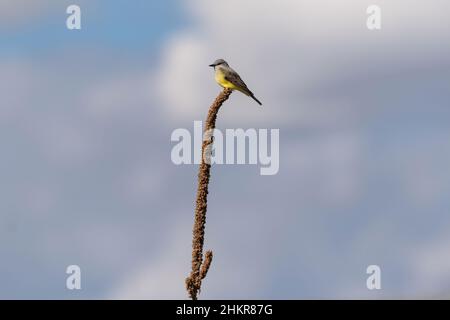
{"points": [[228, 78]]}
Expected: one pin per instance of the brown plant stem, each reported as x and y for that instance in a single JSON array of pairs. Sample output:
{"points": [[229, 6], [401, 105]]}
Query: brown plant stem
{"points": [[200, 267]]}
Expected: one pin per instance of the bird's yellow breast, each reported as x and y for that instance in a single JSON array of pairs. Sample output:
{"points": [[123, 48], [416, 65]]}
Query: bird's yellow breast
{"points": [[220, 78]]}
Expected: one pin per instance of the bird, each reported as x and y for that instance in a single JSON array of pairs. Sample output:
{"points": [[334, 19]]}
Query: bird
{"points": [[226, 77]]}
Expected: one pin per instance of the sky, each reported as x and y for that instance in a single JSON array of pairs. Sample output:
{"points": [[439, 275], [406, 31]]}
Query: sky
{"points": [[86, 118]]}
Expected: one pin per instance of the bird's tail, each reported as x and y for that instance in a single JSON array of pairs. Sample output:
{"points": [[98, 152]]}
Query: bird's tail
{"points": [[247, 92], [254, 98]]}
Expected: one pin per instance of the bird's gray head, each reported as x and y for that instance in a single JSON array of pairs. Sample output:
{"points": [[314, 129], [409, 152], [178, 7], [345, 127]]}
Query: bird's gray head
{"points": [[219, 62]]}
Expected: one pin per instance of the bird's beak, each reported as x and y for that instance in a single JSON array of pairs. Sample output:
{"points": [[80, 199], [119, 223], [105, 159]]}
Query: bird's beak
{"points": [[212, 65]]}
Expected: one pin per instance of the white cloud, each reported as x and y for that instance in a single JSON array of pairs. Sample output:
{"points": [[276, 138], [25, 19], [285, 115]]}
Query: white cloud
{"points": [[331, 166], [17, 11], [183, 76], [119, 94], [163, 276], [289, 49], [18, 80], [431, 267]]}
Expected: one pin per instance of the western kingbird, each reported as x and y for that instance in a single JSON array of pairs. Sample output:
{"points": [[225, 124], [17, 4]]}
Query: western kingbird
{"points": [[228, 78]]}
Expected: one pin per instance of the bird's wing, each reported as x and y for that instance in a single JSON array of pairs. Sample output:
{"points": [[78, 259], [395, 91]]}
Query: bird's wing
{"points": [[234, 78]]}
